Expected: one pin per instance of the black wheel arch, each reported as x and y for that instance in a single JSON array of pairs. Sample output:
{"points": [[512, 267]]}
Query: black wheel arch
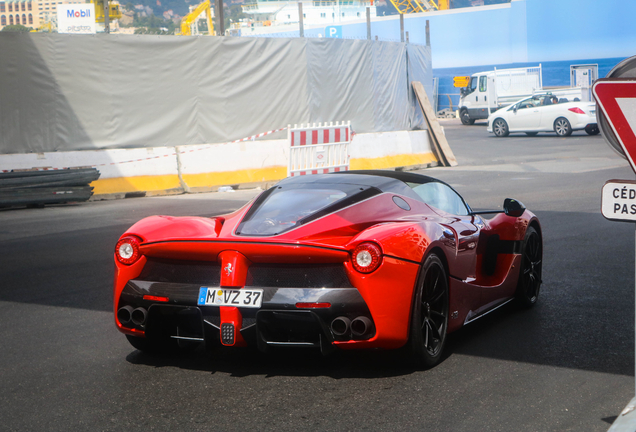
{"points": [[534, 223], [437, 250]]}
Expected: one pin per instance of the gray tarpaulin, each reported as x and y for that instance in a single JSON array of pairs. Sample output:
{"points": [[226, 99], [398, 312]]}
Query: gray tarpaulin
{"points": [[63, 92]]}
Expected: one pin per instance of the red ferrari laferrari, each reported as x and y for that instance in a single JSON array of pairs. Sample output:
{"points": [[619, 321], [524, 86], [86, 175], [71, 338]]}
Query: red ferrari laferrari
{"points": [[362, 259]]}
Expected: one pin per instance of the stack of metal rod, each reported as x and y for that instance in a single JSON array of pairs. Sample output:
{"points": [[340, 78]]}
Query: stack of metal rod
{"points": [[36, 188]]}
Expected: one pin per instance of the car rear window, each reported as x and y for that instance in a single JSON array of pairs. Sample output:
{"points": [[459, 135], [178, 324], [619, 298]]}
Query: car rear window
{"points": [[284, 208]]}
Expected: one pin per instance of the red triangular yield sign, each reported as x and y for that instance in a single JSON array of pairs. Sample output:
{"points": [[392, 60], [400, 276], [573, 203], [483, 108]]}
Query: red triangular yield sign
{"points": [[616, 97]]}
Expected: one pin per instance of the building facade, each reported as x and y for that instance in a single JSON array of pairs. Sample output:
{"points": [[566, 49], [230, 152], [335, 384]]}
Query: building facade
{"points": [[18, 12], [315, 12], [31, 13]]}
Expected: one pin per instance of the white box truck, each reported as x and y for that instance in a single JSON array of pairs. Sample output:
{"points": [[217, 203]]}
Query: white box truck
{"points": [[485, 92]]}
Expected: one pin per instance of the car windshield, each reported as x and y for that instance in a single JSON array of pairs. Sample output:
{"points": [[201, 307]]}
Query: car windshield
{"points": [[283, 209]]}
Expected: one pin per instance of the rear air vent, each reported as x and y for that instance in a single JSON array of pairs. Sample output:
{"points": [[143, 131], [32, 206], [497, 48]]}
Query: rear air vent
{"points": [[187, 272], [305, 276]]}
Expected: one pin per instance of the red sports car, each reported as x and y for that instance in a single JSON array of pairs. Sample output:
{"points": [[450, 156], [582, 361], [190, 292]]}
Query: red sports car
{"points": [[362, 259]]}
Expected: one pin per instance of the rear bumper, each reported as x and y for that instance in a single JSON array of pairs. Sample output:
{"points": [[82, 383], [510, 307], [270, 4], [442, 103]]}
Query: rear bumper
{"points": [[582, 122], [277, 322], [381, 300]]}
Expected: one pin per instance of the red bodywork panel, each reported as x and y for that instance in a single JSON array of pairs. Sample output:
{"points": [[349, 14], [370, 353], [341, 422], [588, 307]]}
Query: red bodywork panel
{"points": [[404, 237]]}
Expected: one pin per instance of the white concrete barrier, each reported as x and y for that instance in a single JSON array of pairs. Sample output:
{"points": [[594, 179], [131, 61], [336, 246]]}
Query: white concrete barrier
{"points": [[152, 170], [399, 149], [197, 168]]}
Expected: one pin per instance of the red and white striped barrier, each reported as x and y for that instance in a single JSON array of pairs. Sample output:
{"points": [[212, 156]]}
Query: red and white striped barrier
{"points": [[319, 149]]}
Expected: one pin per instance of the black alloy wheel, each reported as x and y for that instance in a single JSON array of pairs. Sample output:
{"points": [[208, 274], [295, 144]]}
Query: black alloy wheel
{"points": [[430, 313], [530, 272], [465, 117], [592, 130], [500, 128], [562, 127]]}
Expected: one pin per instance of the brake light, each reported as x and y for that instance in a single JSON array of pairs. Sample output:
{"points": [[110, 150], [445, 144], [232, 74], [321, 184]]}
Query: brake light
{"points": [[366, 257], [156, 298], [127, 250], [577, 110], [320, 305]]}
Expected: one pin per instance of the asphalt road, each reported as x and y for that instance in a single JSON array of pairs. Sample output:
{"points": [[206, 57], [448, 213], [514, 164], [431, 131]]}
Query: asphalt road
{"points": [[565, 365]]}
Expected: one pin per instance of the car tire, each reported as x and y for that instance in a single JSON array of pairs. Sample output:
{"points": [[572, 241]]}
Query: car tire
{"points": [[529, 283], [465, 118], [592, 130], [500, 128], [429, 320], [532, 133], [562, 127]]}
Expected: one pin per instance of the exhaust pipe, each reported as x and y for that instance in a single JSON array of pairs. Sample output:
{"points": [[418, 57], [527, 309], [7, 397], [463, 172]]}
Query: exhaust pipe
{"points": [[340, 326], [361, 327], [124, 314], [138, 316]]}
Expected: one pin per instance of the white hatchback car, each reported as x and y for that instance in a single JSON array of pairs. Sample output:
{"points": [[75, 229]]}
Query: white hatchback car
{"points": [[544, 113]]}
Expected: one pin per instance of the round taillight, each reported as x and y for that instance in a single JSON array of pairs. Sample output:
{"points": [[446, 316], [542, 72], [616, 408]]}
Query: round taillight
{"points": [[127, 250], [366, 257]]}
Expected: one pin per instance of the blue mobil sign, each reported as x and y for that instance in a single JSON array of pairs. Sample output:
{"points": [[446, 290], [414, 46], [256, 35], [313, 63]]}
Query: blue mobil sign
{"points": [[76, 18], [333, 31]]}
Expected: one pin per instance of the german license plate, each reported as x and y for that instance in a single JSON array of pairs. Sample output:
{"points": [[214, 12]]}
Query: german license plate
{"points": [[251, 298]]}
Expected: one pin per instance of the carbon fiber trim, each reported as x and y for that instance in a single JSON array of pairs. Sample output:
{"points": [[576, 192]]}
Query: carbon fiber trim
{"points": [[266, 275], [308, 276]]}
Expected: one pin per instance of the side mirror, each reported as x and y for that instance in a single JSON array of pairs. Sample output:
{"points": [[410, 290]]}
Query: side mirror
{"points": [[514, 109], [513, 207]]}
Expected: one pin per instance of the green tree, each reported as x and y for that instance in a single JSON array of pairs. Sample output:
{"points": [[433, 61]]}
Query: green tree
{"points": [[153, 25], [17, 28], [233, 14]]}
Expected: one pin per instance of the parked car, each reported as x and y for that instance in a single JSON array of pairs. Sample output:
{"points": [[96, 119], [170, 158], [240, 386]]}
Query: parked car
{"points": [[544, 113], [365, 259]]}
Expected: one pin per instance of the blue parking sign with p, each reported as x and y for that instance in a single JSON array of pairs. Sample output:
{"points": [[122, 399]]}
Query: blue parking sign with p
{"points": [[333, 32]]}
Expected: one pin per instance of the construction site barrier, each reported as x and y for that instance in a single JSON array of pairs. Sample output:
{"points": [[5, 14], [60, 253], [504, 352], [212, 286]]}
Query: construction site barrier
{"points": [[318, 149]]}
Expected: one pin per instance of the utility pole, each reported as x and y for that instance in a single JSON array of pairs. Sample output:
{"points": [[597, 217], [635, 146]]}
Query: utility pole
{"points": [[301, 28], [428, 34], [220, 19], [106, 17]]}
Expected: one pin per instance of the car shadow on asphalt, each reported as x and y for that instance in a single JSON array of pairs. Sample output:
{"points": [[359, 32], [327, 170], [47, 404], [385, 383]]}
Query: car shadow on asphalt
{"points": [[243, 362], [511, 333], [365, 364]]}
